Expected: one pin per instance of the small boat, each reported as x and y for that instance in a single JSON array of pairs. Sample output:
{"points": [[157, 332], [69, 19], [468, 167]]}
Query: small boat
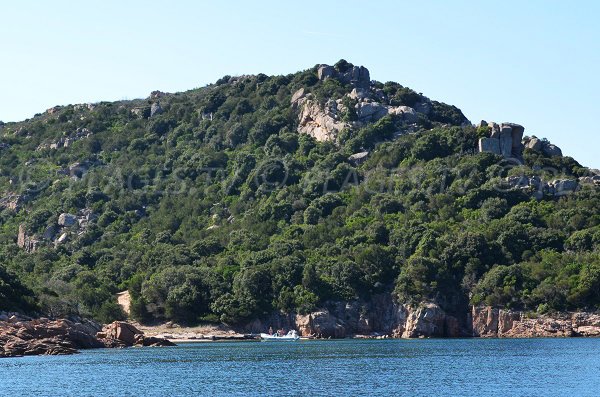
{"points": [[291, 336]]}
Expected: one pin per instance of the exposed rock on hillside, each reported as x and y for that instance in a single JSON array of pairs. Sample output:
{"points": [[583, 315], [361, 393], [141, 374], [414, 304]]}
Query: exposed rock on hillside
{"points": [[595, 180], [322, 123], [12, 201], [358, 158], [325, 122], [507, 140], [67, 225], [542, 145], [504, 140], [156, 109], [67, 140], [358, 76], [28, 243], [156, 94], [539, 188]]}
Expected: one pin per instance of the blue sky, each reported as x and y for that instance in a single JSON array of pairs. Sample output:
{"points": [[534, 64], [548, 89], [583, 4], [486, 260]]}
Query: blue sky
{"points": [[531, 62]]}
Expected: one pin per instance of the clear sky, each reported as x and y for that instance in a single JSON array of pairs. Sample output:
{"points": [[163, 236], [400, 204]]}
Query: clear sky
{"points": [[536, 63]]}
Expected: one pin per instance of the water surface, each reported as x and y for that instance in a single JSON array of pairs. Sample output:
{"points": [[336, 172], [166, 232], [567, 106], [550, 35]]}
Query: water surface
{"points": [[452, 367]]}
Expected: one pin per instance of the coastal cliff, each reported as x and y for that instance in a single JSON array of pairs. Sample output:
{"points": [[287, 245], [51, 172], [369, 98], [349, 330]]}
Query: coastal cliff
{"points": [[492, 322], [429, 320]]}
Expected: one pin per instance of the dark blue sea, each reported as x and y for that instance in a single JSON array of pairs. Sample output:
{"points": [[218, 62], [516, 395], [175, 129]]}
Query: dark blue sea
{"points": [[450, 367]]}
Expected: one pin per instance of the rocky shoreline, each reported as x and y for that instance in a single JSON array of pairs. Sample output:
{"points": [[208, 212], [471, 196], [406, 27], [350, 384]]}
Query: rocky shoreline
{"points": [[382, 318], [25, 336], [492, 322]]}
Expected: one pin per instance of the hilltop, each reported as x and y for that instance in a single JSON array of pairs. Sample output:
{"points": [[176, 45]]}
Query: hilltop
{"points": [[321, 193]]}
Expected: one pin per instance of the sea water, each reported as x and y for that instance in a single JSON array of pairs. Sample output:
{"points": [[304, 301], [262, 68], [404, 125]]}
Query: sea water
{"points": [[436, 367]]}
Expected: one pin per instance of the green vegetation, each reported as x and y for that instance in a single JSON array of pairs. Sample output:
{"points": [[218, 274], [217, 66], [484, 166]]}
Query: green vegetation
{"points": [[217, 209]]}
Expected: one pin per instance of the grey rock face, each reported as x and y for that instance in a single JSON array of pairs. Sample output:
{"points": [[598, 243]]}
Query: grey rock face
{"points": [[325, 71], [504, 140], [517, 136], [562, 187], [155, 109], [65, 219], [297, 96], [495, 130], [358, 158], [359, 93], [490, 145], [358, 76], [534, 144], [370, 111], [156, 94], [517, 128], [408, 114], [594, 180], [552, 150], [49, 233]]}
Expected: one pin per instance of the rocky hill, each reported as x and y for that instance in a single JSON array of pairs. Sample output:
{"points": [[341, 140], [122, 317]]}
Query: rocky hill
{"points": [[322, 194]]}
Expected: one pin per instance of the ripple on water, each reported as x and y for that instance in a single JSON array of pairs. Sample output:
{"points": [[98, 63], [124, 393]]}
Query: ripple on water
{"points": [[456, 367]]}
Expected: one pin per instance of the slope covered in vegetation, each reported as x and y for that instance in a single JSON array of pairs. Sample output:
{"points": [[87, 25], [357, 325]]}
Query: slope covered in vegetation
{"points": [[210, 205]]}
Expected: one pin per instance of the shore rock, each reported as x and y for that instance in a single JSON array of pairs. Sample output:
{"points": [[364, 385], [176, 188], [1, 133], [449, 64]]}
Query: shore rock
{"points": [[320, 324], [493, 322], [381, 316], [123, 334], [22, 336]]}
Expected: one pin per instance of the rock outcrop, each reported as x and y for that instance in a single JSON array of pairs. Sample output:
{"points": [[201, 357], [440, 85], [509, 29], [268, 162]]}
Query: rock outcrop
{"points": [[67, 140], [156, 94], [24, 336], [382, 317], [504, 140], [325, 121], [377, 318], [493, 322], [24, 241], [358, 158], [67, 226], [539, 188], [320, 324], [590, 180], [155, 109], [67, 220], [122, 334], [542, 146], [358, 76], [428, 320], [13, 202], [322, 123]]}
